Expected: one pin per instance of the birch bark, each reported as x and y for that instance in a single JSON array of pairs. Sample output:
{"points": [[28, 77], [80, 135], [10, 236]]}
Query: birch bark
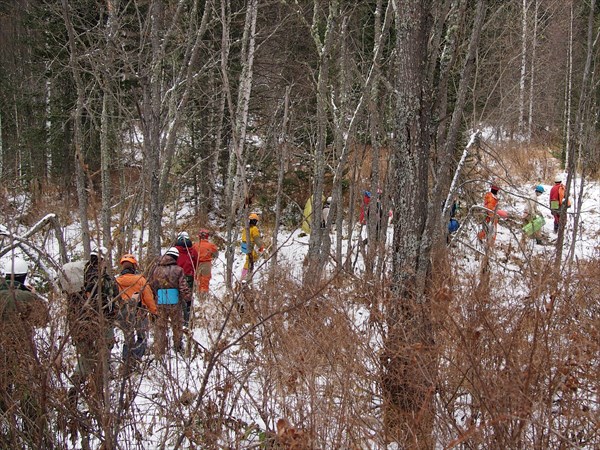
{"points": [[523, 67], [236, 184]]}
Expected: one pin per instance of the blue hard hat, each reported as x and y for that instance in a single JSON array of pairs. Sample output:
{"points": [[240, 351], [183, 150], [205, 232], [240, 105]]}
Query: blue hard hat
{"points": [[539, 188], [368, 194]]}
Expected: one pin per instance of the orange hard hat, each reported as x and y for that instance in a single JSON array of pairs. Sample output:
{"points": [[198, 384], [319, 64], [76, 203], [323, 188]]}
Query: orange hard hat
{"points": [[128, 258], [253, 216]]}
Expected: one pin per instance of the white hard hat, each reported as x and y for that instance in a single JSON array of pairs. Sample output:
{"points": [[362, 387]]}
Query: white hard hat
{"points": [[98, 251], [183, 235], [561, 177], [173, 251], [15, 266]]}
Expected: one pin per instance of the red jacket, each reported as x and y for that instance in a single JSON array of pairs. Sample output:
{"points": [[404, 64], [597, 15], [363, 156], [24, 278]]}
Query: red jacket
{"points": [[557, 195], [188, 259]]}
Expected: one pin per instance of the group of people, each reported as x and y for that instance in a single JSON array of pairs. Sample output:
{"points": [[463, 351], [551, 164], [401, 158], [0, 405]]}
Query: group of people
{"points": [[97, 303], [534, 220]]}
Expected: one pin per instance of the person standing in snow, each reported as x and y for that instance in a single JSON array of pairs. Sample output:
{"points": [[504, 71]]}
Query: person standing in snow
{"points": [[21, 376], [135, 299], [532, 215], [91, 317], [557, 196], [250, 245], [171, 290], [325, 213], [490, 202], [364, 208], [188, 261], [207, 251]]}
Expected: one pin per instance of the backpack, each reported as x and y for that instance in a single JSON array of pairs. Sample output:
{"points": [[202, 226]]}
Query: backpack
{"points": [[453, 226], [71, 277], [245, 250]]}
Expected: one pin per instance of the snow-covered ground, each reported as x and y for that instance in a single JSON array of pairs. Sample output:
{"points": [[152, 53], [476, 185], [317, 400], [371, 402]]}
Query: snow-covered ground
{"points": [[221, 369]]}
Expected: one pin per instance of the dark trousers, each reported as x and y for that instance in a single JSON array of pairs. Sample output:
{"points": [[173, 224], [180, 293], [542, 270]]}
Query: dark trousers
{"points": [[187, 306]]}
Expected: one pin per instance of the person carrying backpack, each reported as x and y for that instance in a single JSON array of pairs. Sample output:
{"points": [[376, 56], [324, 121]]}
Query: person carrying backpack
{"points": [[91, 317], [249, 246], [207, 251], [21, 375], [171, 291], [534, 220], [188, 261], [557, 197], [134, 301]]}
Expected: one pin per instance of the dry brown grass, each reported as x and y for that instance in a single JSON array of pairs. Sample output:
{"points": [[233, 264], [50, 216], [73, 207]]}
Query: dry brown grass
{"points": [[527, 163]]}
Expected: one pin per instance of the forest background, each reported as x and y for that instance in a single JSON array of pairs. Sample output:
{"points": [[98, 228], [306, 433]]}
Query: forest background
{"points": [[118, 114]]}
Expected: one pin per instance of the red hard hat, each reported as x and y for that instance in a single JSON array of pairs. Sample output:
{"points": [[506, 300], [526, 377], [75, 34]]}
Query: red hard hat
{"points": [[204, 233]]}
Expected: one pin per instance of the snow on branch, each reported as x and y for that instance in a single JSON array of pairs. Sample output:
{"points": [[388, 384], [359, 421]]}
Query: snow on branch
{"points": [[474, 140]]}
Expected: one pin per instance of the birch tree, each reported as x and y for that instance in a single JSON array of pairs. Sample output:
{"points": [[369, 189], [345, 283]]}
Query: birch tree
{"points": [[237, 188], [523, 67]]}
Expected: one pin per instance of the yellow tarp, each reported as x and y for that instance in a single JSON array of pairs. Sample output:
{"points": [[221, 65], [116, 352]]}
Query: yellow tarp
{"points": [[307, 219]]}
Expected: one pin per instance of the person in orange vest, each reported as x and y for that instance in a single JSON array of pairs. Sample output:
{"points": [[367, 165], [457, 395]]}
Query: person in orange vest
{"points": [[490, 202], [557, 196], [135, 298], [207, 251]]}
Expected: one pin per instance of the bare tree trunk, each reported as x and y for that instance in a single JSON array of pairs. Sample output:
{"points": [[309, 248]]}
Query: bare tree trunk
{"points": [[577, 136], [151, 116], [162, 109], [105, 217], [1, 149], [80, 176], [315, 257], [532, 70], [568, 92], [523, 67], [406, 384], [106, 130], [237, 188], [282, 144], [377, 226], [435, 226]]}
